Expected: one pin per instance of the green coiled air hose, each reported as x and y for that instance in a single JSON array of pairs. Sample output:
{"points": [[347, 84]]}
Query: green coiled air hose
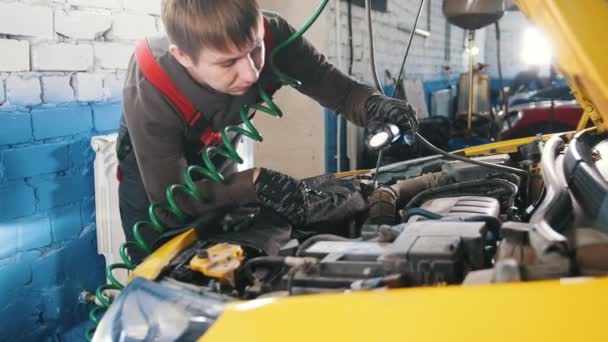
{"points": [[225, 149]]}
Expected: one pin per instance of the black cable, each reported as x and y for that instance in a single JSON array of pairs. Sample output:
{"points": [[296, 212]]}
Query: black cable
{"points": [[420, 212], [268, 261], [291, 275], [372, 50], [351, 49], [409, 44], [475, 187], [493, 222], [447, 155], [372, 54]]}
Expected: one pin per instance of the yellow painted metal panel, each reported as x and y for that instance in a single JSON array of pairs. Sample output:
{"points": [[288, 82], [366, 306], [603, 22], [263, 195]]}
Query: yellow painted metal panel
{"points": [[500, 147], [542, 311], [578, 30], [351, 173], [151, 267]]}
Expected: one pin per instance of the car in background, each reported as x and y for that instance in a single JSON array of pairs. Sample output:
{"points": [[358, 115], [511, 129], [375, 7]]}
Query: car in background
{"points": [[548, 110]]}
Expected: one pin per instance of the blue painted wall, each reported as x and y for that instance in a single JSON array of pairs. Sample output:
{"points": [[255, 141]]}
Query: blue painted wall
{"points": [[48, 251]]}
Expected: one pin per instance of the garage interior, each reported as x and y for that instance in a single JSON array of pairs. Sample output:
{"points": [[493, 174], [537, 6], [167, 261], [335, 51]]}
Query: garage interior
{"points": [[502, 181]]}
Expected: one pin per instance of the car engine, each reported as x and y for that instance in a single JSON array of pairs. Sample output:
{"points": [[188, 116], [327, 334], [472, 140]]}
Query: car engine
{"points": [[431, 222]]}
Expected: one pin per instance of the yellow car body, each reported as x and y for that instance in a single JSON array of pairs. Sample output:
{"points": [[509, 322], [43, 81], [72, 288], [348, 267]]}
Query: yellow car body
{"points": [[559, 310]]}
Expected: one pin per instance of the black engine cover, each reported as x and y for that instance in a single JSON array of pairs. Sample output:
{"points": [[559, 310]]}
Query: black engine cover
{"points": [[425, 253]]}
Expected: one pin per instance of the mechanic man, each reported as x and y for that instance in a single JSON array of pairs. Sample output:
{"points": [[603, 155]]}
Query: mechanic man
{"points": [[214, 54]]}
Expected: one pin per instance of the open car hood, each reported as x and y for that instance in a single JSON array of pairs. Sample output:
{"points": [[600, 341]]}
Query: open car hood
{"points": [[576, 29]]}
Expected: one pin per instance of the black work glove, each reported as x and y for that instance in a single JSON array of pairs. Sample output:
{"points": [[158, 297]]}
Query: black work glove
{"points": [[225, 220], [285, 195], [382, 110], [303, 203], [230, 219], [240, 218]]}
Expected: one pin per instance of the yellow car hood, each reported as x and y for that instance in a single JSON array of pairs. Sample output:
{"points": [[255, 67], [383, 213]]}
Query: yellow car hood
{"points": [[550, 311], [577, 29]]}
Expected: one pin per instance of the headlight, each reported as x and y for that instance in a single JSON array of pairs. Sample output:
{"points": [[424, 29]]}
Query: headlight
{"points": [[148, 311]]}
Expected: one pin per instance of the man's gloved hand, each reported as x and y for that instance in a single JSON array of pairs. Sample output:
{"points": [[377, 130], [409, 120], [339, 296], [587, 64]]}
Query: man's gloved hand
{"points": [[240, 218], [305, 203], [226, 219], [382, 110]]}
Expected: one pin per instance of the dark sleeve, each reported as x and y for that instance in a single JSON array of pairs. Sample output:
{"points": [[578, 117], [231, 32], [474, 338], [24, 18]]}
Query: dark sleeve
{"points": [[157, 135], [320, 79], [157, 138]]}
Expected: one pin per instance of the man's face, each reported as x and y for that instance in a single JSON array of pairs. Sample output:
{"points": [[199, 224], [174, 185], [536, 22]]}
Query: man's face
{"points": [[233, 71]]}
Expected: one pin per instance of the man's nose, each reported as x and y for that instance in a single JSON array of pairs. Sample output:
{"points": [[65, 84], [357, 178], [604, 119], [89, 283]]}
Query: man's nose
{"points": [[248, 72]]}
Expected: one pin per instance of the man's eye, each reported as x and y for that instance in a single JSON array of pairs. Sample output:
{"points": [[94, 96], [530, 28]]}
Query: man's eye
{"points": [[229, 63]]}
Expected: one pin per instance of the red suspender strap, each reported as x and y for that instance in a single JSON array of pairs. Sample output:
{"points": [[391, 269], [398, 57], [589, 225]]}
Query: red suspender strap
{"points": [[268, 42], [269, 87], [159, 79], [155, 74]]}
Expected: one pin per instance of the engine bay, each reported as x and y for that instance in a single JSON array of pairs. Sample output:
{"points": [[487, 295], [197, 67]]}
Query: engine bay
{"points": [[431, 222], [446, 223], [434, 222]]}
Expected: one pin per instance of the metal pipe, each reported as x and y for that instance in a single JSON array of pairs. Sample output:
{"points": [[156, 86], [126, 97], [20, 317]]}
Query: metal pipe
{"points": [[339, 58], [499, 65], [372, 57], [471, 83], [378, 162], [372, 52]]}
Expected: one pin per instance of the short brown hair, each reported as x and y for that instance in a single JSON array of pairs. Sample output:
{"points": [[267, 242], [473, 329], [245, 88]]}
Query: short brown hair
{"points": [[194, 24]]}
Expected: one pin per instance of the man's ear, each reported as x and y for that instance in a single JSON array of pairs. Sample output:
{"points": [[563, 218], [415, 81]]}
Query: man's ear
{"points": [[181, 56]]}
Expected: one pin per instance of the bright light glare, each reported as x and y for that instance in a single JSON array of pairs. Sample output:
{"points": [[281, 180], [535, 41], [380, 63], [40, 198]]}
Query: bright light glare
{"points": [[474, 50], [536, 48], [379, 140]]}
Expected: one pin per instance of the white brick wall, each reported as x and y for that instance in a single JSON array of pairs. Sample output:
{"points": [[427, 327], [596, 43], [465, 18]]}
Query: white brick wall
{"points": [[133, 26], [113, 55], [62, 57], [2, 95], [57, 89], [60, 51], [26, 20], [112, 86], [14, 55], [391, 33], [81, 24], [160, 27], [143, 6], [109, 4], [512, 26], [21, 91], [89, 87]]}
